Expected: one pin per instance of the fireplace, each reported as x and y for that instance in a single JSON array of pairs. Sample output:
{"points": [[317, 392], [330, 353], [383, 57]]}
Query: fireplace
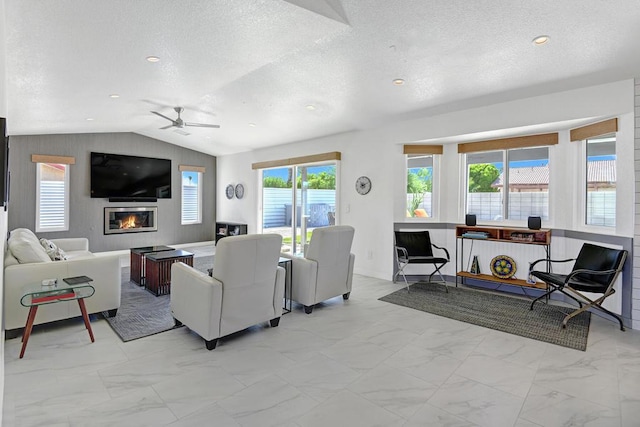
{"points": [[130, 220]]}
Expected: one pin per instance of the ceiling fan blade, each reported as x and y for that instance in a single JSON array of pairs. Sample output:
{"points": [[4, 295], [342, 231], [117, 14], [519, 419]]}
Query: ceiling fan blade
{"points": [[163, 116], [167, 126], [201, 125]]}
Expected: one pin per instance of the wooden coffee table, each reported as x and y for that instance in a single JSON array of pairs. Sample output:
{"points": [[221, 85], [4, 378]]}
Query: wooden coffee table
{"points": [[137, 271], [158, 269]]}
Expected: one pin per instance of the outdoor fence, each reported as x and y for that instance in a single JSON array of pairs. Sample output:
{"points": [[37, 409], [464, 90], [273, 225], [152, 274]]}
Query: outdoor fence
{"points": [[486, 206], [601, 206], [277, 206]]}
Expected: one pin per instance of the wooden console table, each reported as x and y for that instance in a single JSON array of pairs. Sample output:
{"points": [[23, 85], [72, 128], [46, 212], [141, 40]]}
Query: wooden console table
{"points": [[500, 234]]}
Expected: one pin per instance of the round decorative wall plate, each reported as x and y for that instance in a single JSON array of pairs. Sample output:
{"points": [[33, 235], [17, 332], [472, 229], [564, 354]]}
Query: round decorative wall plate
{"points": [[503, 267], [239, 191], [230, 191]]}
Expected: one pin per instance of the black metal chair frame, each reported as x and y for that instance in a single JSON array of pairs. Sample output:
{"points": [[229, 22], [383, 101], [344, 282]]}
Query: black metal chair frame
{"points": [[404, 257], [567, 284]]}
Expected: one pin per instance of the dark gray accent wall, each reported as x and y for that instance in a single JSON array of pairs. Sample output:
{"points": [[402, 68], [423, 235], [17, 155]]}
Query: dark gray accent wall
{"points": [[86, 217]]}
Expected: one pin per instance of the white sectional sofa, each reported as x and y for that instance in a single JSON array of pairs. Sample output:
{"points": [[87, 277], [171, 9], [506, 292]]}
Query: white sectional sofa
{"points": [[27, 262]]}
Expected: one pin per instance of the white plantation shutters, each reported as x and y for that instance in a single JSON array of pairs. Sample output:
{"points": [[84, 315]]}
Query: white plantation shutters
{"points": [[52, 202], [191, 194], [52, 192]]}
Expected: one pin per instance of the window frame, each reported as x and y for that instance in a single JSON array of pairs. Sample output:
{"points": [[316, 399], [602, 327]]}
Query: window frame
{"points": [[504, 153], [584, 183], [200, 176], [298, 237], [435, 181], [65, 226]]}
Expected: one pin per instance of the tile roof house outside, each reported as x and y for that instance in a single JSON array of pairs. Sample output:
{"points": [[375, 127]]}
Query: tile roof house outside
{"points": [[600, 174]]}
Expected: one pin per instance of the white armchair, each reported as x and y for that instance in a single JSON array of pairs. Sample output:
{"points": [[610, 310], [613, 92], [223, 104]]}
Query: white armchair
{"points": [[326, 270], [247, 288]]}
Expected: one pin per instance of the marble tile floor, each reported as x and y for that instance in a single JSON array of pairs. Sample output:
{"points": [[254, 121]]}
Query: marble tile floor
{"points": [[362, 362]]}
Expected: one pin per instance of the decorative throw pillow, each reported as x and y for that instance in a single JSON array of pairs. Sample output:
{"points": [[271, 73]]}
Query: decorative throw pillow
{"points": [[54, 252], [27, 251]]}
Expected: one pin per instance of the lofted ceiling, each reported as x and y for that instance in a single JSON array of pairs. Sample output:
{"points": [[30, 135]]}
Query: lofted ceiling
{"points": [[271, 72]]}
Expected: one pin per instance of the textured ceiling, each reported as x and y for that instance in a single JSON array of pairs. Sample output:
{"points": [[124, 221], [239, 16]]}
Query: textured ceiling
{"points": [[237, 62]]}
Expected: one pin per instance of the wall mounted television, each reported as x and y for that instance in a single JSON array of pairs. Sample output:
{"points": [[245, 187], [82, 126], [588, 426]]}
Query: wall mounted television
{"points": [[129, 178]]}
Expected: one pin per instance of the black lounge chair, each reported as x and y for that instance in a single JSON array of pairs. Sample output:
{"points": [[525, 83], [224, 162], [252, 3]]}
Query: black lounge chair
{"points": [[415, 247], [595, 271]]}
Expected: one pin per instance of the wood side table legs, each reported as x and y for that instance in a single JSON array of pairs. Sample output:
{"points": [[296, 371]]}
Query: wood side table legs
{"points": [[85, 317], [27, 329], [32, 316]]}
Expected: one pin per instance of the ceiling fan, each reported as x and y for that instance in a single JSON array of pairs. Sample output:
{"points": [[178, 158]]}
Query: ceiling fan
{"points": [[179, 123]]}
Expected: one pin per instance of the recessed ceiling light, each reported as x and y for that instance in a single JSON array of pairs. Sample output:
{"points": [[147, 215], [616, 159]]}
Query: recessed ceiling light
{"points": [[310, 107], [252, 125], [89, 119], [114, 96], [540, 40], [398, 82], [153, 59]]}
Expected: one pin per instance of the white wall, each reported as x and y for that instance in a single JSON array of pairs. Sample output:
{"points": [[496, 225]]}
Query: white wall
{"points": [[378, 154]]}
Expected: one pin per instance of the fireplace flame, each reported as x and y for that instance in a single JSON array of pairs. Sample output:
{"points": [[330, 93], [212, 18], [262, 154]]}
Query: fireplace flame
{"points": [[129, 222]]}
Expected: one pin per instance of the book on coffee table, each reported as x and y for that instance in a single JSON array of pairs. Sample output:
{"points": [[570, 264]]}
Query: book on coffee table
{"points": [[52, 295]]}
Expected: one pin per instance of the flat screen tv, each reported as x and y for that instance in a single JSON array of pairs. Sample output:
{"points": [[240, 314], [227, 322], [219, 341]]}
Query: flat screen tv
{"points": [[117, 176]]}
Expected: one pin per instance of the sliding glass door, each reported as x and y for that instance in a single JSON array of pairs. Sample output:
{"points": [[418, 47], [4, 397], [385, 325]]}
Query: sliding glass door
{"points": [[297, 199]]}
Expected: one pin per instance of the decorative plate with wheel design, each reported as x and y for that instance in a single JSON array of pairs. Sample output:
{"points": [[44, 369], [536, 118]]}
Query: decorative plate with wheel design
{"points": [[230, 191], [503, 267], [239, 191]]}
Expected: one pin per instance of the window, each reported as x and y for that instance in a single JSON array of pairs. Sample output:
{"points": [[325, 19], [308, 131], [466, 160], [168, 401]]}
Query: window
{"points": [[601, 181], [52, 197], [484, 199], [191, 203], [526, 179], [420, 185]]}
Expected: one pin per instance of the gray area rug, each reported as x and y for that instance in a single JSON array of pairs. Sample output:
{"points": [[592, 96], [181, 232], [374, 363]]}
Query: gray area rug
{"points": [[500, 312], [141, 313]]}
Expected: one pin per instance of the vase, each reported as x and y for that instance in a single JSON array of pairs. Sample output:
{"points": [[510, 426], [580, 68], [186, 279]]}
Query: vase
{"points": [[475, 265]]}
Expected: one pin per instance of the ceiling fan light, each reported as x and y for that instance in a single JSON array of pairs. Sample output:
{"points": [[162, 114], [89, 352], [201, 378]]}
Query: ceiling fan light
{"points": [[179, 123], [398, 82]]}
